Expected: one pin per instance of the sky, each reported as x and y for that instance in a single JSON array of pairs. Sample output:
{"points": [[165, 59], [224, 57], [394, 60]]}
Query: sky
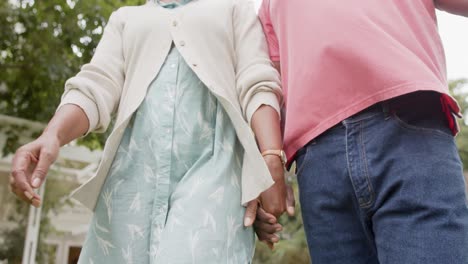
{"points": [[453, 31], [454, 34]]}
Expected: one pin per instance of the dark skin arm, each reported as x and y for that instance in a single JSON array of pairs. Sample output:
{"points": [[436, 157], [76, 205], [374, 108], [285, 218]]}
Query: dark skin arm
{"points": [[266, 221], [33, 160], [457, 7], [279, 198]]}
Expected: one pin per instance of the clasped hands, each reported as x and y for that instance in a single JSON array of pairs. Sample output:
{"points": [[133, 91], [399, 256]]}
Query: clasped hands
{"points": [[264, 212]]}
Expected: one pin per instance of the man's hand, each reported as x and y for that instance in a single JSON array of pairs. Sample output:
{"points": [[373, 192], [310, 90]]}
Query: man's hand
{"points": [[30, 166], [266, 226]]}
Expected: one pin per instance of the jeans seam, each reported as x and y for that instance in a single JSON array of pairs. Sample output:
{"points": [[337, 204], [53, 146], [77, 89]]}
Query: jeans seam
{"points": [[364, 160], [350, 171], [362, 214], [304, 160]]}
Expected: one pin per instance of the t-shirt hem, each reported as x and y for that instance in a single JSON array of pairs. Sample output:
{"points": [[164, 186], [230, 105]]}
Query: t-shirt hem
{"points": [[292, 147]]}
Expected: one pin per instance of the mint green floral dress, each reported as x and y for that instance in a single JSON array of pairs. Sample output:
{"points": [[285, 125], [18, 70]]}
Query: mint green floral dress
{"points": [[173, 192]]}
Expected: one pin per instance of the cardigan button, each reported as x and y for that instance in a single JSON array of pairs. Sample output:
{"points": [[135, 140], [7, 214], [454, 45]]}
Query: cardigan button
{"points": [[174, 23], [182, 43]]}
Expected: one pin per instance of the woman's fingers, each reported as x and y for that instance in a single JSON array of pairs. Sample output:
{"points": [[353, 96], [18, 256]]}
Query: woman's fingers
{"points": [[274, 199], [250, 213], [21, 163], [20, 175], [25, 196], [46, 158]]}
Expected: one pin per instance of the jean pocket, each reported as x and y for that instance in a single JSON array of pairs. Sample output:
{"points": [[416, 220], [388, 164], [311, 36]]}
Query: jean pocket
{"points": [[434, 125], [302, 157]]}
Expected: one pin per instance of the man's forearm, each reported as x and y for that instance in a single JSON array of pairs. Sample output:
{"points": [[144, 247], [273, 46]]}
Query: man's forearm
{"points": [[457, 7]]}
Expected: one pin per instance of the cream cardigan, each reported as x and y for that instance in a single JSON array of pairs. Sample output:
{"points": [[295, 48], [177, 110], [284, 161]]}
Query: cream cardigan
{"points": [[221, 40]]}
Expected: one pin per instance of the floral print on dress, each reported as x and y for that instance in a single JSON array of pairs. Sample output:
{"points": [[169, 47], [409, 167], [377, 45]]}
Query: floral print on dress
{"points": [[173, 192]]}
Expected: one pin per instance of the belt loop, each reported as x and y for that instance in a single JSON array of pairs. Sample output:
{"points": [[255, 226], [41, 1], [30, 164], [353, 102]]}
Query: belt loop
{"points": [[386, 109]]}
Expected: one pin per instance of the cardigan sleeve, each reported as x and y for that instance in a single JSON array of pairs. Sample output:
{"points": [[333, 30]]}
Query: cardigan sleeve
{"points": [[257, 81], [98, 86]]}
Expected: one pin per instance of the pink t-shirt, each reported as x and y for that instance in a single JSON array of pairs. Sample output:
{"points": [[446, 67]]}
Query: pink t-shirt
{"points": [[340, 57]]}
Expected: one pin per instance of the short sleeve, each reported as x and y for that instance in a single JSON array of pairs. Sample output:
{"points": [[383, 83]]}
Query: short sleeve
{"points": [[264, 15]]}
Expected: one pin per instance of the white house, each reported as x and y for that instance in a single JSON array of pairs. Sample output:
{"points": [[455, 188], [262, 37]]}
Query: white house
{"points": [[74, 166]]}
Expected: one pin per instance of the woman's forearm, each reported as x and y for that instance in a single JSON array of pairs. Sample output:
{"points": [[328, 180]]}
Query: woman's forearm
{"points": [[68, 123], [266, 126]]}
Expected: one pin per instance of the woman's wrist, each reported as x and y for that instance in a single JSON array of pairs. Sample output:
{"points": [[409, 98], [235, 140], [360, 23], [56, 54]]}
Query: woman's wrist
{"points": [[276, 167], [273, 160]]}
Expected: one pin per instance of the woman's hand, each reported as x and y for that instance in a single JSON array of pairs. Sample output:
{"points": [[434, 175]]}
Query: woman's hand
{"points": [[273, 200], [278, 198], [30, 166], [273, 203], [32, 161]]}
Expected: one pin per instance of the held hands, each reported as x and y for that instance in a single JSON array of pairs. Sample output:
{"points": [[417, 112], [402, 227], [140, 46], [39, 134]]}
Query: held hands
{"points": [[264, 212], [30, 166]]}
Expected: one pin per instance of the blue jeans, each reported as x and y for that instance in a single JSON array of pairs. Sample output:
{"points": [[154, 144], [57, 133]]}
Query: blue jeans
{"points": [[379, 189]]}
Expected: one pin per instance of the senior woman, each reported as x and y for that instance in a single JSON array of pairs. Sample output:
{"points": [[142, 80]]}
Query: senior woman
{"points": [[197, 102]]}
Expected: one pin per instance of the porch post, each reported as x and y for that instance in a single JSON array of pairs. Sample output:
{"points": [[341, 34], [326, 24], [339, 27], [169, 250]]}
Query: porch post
{"points": [[32, 231]]}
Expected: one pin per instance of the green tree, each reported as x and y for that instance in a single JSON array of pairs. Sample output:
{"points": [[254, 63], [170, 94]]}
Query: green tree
{"points": [[11, 247], [459, 89], [43, 43]]}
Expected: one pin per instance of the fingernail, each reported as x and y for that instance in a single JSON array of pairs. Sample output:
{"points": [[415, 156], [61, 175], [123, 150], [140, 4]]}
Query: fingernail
{"points": [[275, 239], [272, 221], [36, 182], [28, 195], [247, 221], [291, 210], [278, 229], [36, 203]]}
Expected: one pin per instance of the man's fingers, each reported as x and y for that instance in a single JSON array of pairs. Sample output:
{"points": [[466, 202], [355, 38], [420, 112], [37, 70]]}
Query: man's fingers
{"points": [[263, 216], [250, 213], [290, 200], [270, 245], [266, 227], [46, 158], [265, 237]]}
